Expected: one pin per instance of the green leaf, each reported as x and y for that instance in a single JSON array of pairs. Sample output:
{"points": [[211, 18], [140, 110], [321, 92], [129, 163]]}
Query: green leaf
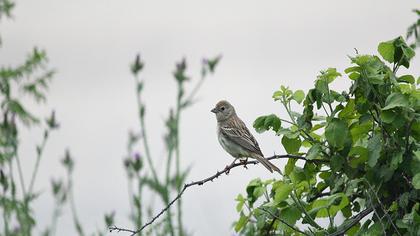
{"points": [[329, 206], [358, 155], [342, 204], [298, 96], [405, 88], [16, 107], [265, 123], [258, 191], [291, 215], [397, 158], [241, 222], [388, 116], [359, 131], [407, 79], [402, 53], [212, 63], [396, 100], [416, 181], [241, 201], [387, 50], [290, 166], [354, 76], [337, 163], [314, 151], [348, 111], [282, 191], [329, 75], [137, 65], [109, 219], [352, 69], [298, 175], [291, 145], [337, 133], [252, 190], [374, 148], [277, 95], [353, 230]]}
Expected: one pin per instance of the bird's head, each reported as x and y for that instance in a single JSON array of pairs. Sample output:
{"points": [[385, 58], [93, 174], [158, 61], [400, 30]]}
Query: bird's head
{"points": [[223, 110]]}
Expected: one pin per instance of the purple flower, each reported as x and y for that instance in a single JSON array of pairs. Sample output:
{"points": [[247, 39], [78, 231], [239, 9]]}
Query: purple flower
{"points": [[137, 156]]}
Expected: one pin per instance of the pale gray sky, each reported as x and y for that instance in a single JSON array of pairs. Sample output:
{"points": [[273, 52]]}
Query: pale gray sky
{"points": [[264, 44]]}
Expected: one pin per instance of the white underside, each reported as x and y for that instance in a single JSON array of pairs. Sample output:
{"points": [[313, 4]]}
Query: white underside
{"points": [[232, 148]]}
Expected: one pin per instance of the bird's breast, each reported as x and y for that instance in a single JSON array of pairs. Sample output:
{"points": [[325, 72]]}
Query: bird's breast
{"points": [[231, 147]]}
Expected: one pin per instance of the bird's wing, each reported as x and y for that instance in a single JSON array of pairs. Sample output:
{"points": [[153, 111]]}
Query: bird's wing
{"points": [[237, 132]]}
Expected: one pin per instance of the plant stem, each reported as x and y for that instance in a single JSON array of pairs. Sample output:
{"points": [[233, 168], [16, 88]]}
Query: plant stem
{"points": [[5, 219], [144, 134], [130, 194], [329, 99], [54, 219], [283, 221], [21, 179], [177, 157], [167, 187], [73, 206], [40, 150], [311, 221], [139, 209], [195, 90], [288, 109], [146, 147]]}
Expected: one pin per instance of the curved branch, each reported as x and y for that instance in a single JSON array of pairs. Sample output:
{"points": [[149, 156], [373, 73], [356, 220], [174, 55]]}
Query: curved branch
{"points": [[352, 222], [226, 171]]}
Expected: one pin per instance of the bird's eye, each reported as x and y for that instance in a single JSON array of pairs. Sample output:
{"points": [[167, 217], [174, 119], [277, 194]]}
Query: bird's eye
{"points": [[222, 108]]}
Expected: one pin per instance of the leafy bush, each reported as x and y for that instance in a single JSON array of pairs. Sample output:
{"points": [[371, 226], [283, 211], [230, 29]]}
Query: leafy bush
{"points": [[361, 150]]}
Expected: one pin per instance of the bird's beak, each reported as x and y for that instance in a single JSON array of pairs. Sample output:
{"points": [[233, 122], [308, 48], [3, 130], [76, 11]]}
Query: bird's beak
{"points": [[214, 110]]}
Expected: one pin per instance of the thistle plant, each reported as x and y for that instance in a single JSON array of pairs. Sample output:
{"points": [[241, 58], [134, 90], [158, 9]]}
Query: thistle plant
{"points": [[140, 168]]}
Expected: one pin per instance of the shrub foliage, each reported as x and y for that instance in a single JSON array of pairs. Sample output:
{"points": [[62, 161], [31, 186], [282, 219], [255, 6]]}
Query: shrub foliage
{"points": [[362, 169]]}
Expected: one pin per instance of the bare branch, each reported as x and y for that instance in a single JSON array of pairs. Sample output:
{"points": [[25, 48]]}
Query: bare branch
{"points": [[115, 228], [226, 171]]}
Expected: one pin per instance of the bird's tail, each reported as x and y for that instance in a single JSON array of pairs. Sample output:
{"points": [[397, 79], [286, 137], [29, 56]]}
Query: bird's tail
{"points": [[266, 163]]}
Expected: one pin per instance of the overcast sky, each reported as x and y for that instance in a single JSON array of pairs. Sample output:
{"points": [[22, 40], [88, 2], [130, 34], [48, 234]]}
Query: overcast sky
{"points": [[264, 44]]}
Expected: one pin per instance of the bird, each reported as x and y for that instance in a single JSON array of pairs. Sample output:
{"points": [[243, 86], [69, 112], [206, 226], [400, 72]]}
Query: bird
{"points": [[235, 138]]}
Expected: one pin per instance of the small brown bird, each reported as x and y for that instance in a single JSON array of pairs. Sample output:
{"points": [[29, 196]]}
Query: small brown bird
{"points": [[235, 137]]}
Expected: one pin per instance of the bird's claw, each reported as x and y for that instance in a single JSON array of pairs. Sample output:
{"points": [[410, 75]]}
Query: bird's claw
{"points": [[227, 170], [243, 162]]}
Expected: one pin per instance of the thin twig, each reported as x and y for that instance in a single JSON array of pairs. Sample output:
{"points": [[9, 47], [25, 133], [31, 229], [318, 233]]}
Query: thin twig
{"points": [[140, 106], [283, 221], [40, 151], [226, 171], [22, 180], [311, 221]]}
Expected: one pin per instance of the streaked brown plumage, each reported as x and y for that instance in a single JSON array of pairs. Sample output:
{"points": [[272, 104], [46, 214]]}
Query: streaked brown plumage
{"points": [[235, 137]]}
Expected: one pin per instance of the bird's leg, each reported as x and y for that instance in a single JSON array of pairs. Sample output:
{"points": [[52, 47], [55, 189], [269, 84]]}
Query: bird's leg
{"points": [[227, 168], [243, 162]]}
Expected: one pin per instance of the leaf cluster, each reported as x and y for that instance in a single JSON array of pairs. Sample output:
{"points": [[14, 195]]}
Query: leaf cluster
{"points": [[368, 140]]}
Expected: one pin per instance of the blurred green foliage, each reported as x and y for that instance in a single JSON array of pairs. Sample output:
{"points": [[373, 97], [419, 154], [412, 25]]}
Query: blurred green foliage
{"points": [[29, 80], [414, 31], [141, 175]]}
